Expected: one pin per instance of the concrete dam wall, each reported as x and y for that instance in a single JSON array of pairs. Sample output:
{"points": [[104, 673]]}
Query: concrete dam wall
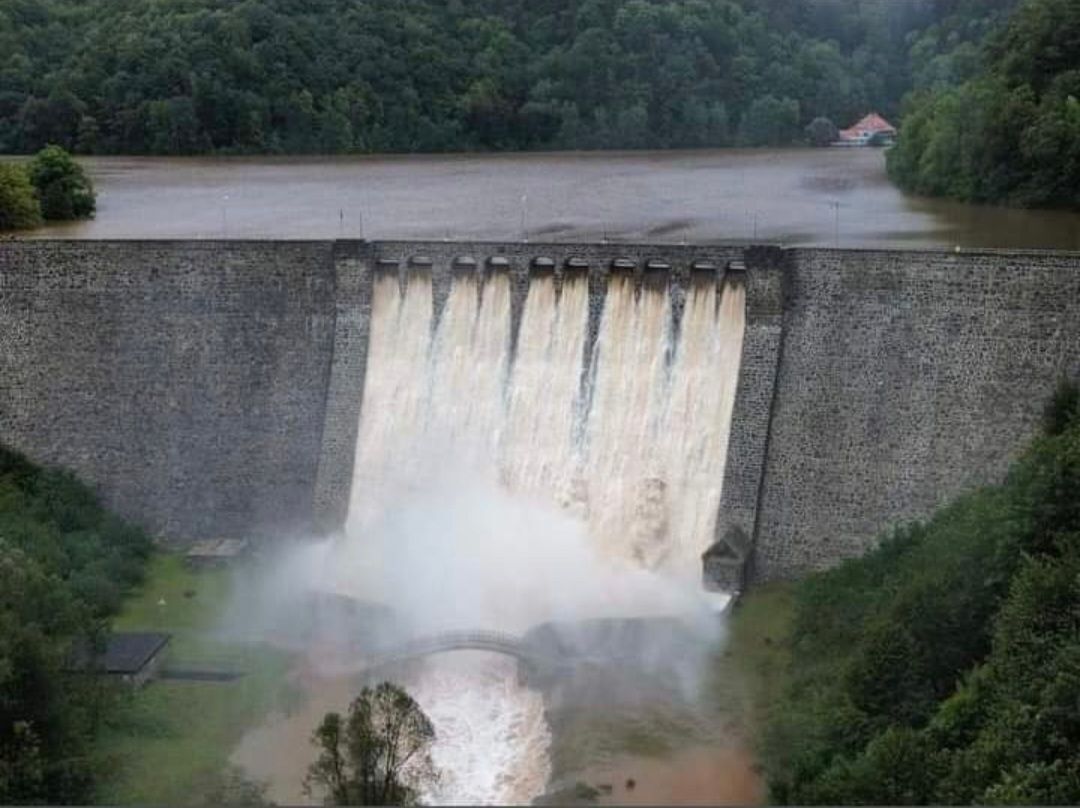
{"points": [[215, 388]]}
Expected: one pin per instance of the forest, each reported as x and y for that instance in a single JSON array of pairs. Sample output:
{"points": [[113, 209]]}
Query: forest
{"points": [[944, 667], [65, 566], [339, 76], [1007, 130]]}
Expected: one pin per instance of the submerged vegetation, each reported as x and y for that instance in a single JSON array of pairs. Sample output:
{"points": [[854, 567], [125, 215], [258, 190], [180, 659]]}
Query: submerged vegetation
{"points": [[943, 667], [1007, 127], [50, 187], [65, 565]]}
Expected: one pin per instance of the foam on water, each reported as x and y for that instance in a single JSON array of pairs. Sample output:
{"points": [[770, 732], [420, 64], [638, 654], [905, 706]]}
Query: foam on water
{"points": [[492, 739]]}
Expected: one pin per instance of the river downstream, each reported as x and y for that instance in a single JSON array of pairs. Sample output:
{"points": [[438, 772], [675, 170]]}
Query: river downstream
{"points": [[808, 197]]}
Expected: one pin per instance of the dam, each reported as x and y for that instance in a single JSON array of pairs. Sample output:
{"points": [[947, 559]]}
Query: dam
{"points": [[784, 405]]}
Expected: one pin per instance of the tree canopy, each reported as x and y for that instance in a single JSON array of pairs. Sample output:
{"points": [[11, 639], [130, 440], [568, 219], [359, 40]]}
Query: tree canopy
{"points": [[265, 76], [52, 186], [64, 190], [65, 564], [19, 205], [1010, 131], [379, 755], [944, 667]]}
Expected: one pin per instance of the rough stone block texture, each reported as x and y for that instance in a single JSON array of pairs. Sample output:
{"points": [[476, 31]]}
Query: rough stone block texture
{"points": [[905, 378], [345, 393], [185, 381], [214, 388], [750, 417]]}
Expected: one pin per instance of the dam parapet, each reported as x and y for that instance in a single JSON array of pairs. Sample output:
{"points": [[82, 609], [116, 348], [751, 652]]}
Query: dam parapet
{"points": [[215, 388]]}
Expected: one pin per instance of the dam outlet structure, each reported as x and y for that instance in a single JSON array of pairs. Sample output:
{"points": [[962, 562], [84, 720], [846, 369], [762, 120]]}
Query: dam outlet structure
{"points": [[776, 409], [621, 419]]}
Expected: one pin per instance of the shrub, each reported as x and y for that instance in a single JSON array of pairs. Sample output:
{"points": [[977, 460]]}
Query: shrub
{"points": [[64, 565], [822, 132], [19, 207], [63, 187]]}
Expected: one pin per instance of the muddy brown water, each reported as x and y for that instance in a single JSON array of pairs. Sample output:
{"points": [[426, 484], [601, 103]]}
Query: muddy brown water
{"points": [[705, 775], [820, 197]]}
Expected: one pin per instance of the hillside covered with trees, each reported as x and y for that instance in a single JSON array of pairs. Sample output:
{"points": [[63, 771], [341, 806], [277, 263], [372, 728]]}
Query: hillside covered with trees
{"points": [[944, 667], [65, 565], [334, 76], [1002, 122]]}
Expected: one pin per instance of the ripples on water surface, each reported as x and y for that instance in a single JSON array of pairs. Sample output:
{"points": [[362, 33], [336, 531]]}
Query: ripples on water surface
{"points": [[784, 196]]}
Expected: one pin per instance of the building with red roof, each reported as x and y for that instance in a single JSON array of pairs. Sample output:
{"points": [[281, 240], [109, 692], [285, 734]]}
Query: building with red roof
{"points": [[871, 127]]}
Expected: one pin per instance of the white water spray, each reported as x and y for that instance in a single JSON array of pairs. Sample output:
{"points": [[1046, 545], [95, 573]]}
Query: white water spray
{"points": [[493, 491]]}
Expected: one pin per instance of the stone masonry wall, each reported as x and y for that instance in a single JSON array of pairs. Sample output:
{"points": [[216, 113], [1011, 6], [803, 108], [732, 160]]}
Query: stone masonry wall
{"points": [[748, 439], [904, 379], [214, 388], [344, 394], [185, 381]]}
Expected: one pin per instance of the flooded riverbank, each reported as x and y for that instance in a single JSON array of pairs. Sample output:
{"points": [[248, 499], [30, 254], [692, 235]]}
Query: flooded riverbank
{"points": [[809, 197], [491, 737], [722, 775], [498, 739]]}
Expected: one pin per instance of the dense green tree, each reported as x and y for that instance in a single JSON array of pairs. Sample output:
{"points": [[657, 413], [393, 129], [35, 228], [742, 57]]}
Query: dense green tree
{"points": [[62, 186], [273, 75], [944, 667], [770, 121], [821, 132], [1011, 131], [64, 566], [379, 755], [19, 206]]}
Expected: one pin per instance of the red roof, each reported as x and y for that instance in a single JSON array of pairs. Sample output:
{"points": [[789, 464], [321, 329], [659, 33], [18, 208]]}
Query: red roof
{"points": [[867, 126]]}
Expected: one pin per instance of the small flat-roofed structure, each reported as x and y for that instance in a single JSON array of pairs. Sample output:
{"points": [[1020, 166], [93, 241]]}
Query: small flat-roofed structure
{"points": [[215, 552], [724, 562], [132, 656]]}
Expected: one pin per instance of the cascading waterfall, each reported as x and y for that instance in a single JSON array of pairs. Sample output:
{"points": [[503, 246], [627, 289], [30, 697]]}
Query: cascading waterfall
{"points": [[624, 432], [635, 455], [538, 454], [470, 356], [395, 389], [697, 418]]}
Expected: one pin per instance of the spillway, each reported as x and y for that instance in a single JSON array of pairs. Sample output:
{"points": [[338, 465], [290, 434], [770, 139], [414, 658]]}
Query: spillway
{"points": [[610, 431], [634, 444], [538, 452]]}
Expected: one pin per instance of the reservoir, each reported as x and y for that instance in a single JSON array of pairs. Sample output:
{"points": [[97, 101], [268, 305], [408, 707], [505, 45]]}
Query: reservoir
{"points": [[795, 197]]}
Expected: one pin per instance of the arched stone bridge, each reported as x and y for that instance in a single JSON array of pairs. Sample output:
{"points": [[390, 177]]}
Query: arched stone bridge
{"points": [[494, 641]]}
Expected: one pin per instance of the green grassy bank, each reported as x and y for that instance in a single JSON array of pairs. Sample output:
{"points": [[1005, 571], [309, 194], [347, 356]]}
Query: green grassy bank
{"points": [[758, 655], [170, 741]]}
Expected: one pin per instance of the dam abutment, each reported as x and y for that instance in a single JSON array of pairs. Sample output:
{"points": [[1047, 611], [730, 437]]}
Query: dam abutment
{"points": [[186, 381], [904, 379], [215, 388]]}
